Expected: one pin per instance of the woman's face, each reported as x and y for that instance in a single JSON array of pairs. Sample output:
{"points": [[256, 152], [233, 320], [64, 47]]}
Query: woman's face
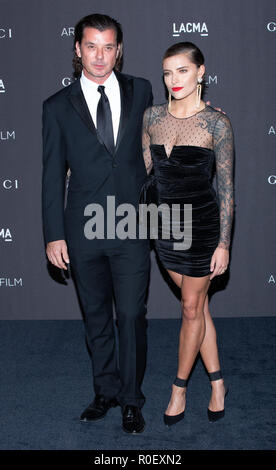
{"points": [[181, 75]]}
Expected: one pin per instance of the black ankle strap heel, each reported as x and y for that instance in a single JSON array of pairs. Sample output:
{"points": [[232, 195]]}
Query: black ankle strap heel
{"points": [[215, 375], [170, 420], [180, 382], [216, 415]]}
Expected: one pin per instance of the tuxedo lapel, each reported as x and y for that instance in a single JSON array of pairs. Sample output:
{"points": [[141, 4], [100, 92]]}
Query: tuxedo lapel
{"points": [[126, 91], [76, 97]]}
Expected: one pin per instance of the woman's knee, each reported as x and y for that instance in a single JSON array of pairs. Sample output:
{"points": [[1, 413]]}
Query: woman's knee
{"points": [[191, 309]]}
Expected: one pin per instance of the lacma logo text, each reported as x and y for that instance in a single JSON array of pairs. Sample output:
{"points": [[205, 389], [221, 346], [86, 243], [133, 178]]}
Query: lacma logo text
{"points": [[188, 28]]}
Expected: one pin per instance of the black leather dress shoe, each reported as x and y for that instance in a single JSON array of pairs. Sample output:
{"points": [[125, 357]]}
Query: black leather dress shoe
{"points": [[98, 408], [133, 421]]}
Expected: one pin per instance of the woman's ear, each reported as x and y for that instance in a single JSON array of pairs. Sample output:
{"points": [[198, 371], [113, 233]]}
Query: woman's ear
{"points": [[201, 71]]}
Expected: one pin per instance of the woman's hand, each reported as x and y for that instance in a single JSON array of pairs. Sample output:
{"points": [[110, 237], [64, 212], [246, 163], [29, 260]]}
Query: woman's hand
{"points": [[219, 261]]}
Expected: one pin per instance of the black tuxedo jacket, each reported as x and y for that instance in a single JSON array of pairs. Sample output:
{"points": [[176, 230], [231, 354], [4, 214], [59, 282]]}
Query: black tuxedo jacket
{"points": [[70, 140]]}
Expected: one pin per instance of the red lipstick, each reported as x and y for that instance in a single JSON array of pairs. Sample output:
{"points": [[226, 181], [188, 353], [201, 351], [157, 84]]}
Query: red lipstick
{"points": [[177, 88]]}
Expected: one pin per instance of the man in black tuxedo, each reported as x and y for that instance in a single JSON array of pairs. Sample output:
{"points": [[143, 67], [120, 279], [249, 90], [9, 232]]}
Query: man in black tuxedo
{"points": [[93, 127]]}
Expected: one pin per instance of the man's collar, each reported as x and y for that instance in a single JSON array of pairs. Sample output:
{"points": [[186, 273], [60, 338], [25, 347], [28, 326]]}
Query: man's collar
{"points": [[90, 84]]}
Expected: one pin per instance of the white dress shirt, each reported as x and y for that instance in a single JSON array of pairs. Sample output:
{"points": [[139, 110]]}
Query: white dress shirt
{"points": [[92, 96]]}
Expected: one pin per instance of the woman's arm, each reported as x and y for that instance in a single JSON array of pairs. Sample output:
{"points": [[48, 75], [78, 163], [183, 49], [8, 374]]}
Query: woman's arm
{"points": [[146, 141], [224, 152]]}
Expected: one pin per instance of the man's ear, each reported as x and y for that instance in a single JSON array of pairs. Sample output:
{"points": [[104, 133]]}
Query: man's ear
{"points": [[119, 49], [77, 49]]}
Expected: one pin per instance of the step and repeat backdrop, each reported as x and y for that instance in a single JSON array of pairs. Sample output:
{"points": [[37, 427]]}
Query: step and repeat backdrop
{"points": [[238, 39]]}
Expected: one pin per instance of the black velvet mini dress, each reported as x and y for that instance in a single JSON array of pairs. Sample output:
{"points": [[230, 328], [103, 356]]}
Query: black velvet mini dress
{"points": [[181, 156]]}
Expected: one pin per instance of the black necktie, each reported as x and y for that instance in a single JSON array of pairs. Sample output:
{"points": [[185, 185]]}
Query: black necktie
{"points": [[104, 120]]}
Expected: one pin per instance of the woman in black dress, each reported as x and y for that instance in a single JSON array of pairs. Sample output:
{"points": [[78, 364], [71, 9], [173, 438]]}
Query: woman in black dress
{"points": [[182, 141]]}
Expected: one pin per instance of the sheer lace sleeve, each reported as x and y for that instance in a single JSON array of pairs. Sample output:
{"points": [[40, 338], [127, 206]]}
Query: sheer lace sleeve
{"points": [[224, 151], [146, 141]]}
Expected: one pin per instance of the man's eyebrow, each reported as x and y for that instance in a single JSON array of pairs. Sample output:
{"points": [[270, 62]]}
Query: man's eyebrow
{"points": [[93, 43]]}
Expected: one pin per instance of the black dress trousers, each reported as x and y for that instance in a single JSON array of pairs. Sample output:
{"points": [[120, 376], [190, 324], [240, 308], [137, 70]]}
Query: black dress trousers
{"points": [[124, 271]]}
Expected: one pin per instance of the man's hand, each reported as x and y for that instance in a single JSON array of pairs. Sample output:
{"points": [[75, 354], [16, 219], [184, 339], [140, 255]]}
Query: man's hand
{"points": [[218, 109], [57, 253]]}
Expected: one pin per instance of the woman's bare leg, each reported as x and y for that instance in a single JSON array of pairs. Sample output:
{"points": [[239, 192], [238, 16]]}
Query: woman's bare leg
{"points": [[193, 293], [209, 354]]}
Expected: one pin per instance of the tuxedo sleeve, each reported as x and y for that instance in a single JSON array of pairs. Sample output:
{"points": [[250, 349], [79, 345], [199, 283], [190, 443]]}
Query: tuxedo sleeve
{"points": [[53, 177]]}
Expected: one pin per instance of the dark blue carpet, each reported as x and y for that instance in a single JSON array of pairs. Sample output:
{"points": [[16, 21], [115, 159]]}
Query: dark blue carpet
{"points": [[46, 383]]}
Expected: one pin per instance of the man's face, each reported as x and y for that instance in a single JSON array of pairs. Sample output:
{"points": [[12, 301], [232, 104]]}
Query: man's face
{"points": [[98, 52]]}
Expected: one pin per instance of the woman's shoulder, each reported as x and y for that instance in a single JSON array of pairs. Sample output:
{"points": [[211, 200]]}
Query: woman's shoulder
{"points": [[216, 116], [155, 112], [219, 123]]}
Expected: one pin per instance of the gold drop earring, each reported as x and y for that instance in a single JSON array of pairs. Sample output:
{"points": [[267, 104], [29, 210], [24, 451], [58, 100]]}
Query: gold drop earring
{"points": [[198, 92]]}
